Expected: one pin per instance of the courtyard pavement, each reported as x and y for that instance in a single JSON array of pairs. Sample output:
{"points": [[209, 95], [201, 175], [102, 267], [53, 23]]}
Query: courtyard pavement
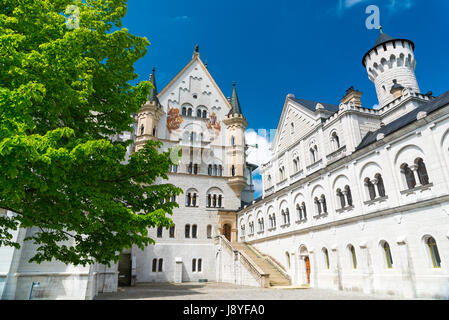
{"points": [[225, 291]]}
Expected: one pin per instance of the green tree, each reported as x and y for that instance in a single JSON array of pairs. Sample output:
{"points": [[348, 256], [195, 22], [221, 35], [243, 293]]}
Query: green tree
{"points": [[64, 90]]}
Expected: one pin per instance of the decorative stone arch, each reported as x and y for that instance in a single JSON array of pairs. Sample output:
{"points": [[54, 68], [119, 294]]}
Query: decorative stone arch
{"points": [[201, 111], [405, 166]]}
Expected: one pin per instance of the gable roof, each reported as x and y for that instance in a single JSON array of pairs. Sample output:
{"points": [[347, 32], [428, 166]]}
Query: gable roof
{"points": [[311, 105], [196, 58], [406, 119]]}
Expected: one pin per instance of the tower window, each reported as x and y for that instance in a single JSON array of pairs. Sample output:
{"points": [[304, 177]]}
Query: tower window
{"points": [[142, 128], [433, 250]]}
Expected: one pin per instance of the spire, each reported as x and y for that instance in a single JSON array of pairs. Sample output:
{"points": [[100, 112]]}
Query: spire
{"points": [[196, 53], [235, 104], [153, 91]]}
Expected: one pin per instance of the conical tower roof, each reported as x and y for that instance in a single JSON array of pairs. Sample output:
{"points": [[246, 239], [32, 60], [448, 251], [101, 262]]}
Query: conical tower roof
{"points": [[153, 93], [235, 103]]}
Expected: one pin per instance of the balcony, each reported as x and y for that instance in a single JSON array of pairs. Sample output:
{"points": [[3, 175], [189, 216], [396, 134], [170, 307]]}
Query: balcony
{"points": [[315, 165], [336, 155]]}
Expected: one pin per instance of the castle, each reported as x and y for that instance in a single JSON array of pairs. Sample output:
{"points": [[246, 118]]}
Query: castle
{"points": [[354, 198]]}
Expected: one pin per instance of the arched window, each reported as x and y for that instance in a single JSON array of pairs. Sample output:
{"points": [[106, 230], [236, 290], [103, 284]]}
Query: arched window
{"points": [[172, 232], [204, 114], [159, 232], [409, 176], [335, 141], [422, 172], [193, 265], [184, 111], [154, 131], [209, 200], [214, 200], [200, 262], [371, 190], [198, 113], [287, 216], [348, 195], [194, 200], [388, 257], [194, 229], [220, 201], [215, 170], [187, 231], [142, 129], [189, 112], [209, 231], [380, 185], [209, 170], [304, 212], [274, 220], [161, 262], [323, 203], [232, 141], [318, 205], [233, 170], [353, 256], [341, 197], [298, 211], [313, 158], [292, 128], [154, 269], [188, 200], [326, 258], [433, 250], [220, 170]]}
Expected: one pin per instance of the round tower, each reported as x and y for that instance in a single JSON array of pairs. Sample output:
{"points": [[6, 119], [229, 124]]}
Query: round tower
{"points": [[148, 117], [391, 62], [236, 158]]}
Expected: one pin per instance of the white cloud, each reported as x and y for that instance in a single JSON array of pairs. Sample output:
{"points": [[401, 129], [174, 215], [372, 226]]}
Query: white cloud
{"points": [[376, 106], [257, 181], [262, 153]]}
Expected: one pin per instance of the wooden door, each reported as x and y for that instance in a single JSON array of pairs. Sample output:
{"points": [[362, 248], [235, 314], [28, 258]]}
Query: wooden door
{"points": [[307, 261], [227, 231], [124, 270]]}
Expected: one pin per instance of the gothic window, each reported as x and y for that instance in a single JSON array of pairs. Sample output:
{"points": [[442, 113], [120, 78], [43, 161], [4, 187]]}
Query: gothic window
{"points": [[341, 197], [209, 231], [298, 212], [194, 230], [193, 265], [198, 113], [388, 257], [154, 269], [433, 250], [187, 231], [326, 258], [204, 114], [371, 190], [161, 261], [184, 111], [422, 172], [189, 112], [172, 231], [159, 232], [409, 176], [353, 256], [380, 185], [199, 265]]}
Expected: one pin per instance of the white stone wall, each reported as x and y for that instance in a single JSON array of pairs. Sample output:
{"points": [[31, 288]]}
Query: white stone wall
{"points": [[408, 215]]}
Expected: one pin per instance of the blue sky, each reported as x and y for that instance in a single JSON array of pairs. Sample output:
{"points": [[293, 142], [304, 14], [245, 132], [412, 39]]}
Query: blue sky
{"points": [[311, 48]]}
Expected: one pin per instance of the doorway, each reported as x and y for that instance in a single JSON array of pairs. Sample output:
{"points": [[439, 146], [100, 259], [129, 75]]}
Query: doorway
{"points": [[227, 231], [307, 263], [124, 270]]}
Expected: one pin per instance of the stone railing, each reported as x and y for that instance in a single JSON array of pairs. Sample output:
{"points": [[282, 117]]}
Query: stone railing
{"points": [[261, 277], [337, 154]]}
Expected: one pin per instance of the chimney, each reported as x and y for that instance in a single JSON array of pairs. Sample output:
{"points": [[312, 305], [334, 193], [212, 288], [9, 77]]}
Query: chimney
{"points": [[352, 95]]}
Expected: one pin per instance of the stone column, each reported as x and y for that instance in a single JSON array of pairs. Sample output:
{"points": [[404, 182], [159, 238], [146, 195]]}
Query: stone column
{"points": [[414, 168], [336, 268], [408, 278], [367, 268]]}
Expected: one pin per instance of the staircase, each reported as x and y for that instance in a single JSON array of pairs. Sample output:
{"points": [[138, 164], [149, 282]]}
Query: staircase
{"points": [[276, 276]]}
